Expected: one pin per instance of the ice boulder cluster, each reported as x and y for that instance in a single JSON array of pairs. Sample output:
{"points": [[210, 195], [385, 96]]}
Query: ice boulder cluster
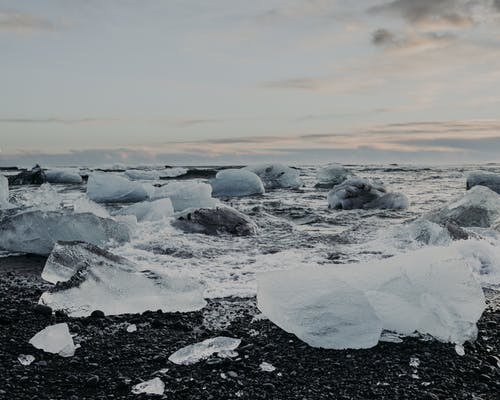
{"points": [[332, 175], [89, 278], [37, 231], [357, 193], [277, 176], [236, 183], [110, 188], [431, 291], [66, 176], [481, 178]]}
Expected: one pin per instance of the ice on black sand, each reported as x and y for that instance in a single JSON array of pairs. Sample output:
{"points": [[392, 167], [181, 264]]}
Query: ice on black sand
{"points": [[55, 339]]}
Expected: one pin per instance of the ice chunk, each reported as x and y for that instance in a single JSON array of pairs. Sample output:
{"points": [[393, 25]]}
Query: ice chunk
{"points": [[153, 386], [34, 177], [459, 349], [275, 176], [137, 174], [236, 183], [44, 198], [63, 176], [37, 231], [173, 172], [149, 210], [187, 195], [479, 207], [4, 191], [55, 339], [25, 359], [85, 205], [131, 328], [435, 286], [266, 367], [491, 181], [215, 221], [110, 188], [94, 279], [200, 351], [362, 193], [320, 310], [331, 175], [415, 234]]}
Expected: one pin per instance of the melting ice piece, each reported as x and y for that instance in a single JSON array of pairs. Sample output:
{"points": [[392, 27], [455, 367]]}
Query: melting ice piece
{"points": [[132, 328], [200, 351], [479, 207], [459, 349], [4, 191], [491, 181], [85, 205], [137, 174], [110, 188], [55, 339], [266, 367], [94, 279], [63, 176], [331, 175], [149, 210], [153, 386], [319, 310], [37, 231], [275, 176], [214, 221], [25, 359], [433, 285], [414, 362], [187, 195], [236, 183]]}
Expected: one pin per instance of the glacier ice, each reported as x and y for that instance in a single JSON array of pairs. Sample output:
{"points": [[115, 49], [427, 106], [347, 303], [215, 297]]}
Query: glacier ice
{"points": [[200, 351], [236, 183], [55, 339], [110, 188], [487, 179], [4, 191], [91, 278], [137, 174], [153, 386], [85, 205], [362, 193], [43, 198], [435, 286], [187, 195], [479, 207], [68, 176], [215, 221], [37, 231], [275, 176], [331, 175], [323, 311], [173, 172], [149, 210]]}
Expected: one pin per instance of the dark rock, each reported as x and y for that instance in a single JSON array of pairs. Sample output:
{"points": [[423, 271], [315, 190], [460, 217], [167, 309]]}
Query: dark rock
{"points": [[42, 309], [456, 232], [34, 177], [480, 178], [97, 314], [195, 173]]}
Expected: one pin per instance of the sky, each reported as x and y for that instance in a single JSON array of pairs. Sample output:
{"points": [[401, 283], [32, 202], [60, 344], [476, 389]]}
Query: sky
{"points": [[235, 81]]}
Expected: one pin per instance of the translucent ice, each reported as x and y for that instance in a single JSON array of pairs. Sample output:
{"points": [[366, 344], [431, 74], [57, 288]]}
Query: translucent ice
{"points": [[491, 181], [94, 279], [37, 231], [199, 351], [137, 174], [4, 191], [275, 176], [55, 339], [149, 210], [153, 386], [110, 188], [25, 359], [173, 172], [236, 183], [331, 175], [478, 207], [187, 195], [266, 367], [435, 286], [63, 176], [85, 205]]}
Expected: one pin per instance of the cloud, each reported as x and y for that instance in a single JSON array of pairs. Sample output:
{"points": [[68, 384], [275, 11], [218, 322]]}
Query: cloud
{"points": [[22, 22], [414, 41]]}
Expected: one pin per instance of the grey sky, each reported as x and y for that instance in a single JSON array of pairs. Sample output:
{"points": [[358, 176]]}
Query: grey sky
{"points": [[228, 80]]}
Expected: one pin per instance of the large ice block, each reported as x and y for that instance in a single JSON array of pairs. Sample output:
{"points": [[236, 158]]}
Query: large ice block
{"points": [[236, 183], [111, 188]]}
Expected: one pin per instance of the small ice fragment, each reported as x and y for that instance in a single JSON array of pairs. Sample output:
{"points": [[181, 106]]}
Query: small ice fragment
{"points": [[132, 328], [266, 367], [425, 383], [415, 376], [459, 349], [199, 351], [227, 354], [153, 386], [414, 362], [55, 339], [253, 332], [390, 337], [25, 359]]}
